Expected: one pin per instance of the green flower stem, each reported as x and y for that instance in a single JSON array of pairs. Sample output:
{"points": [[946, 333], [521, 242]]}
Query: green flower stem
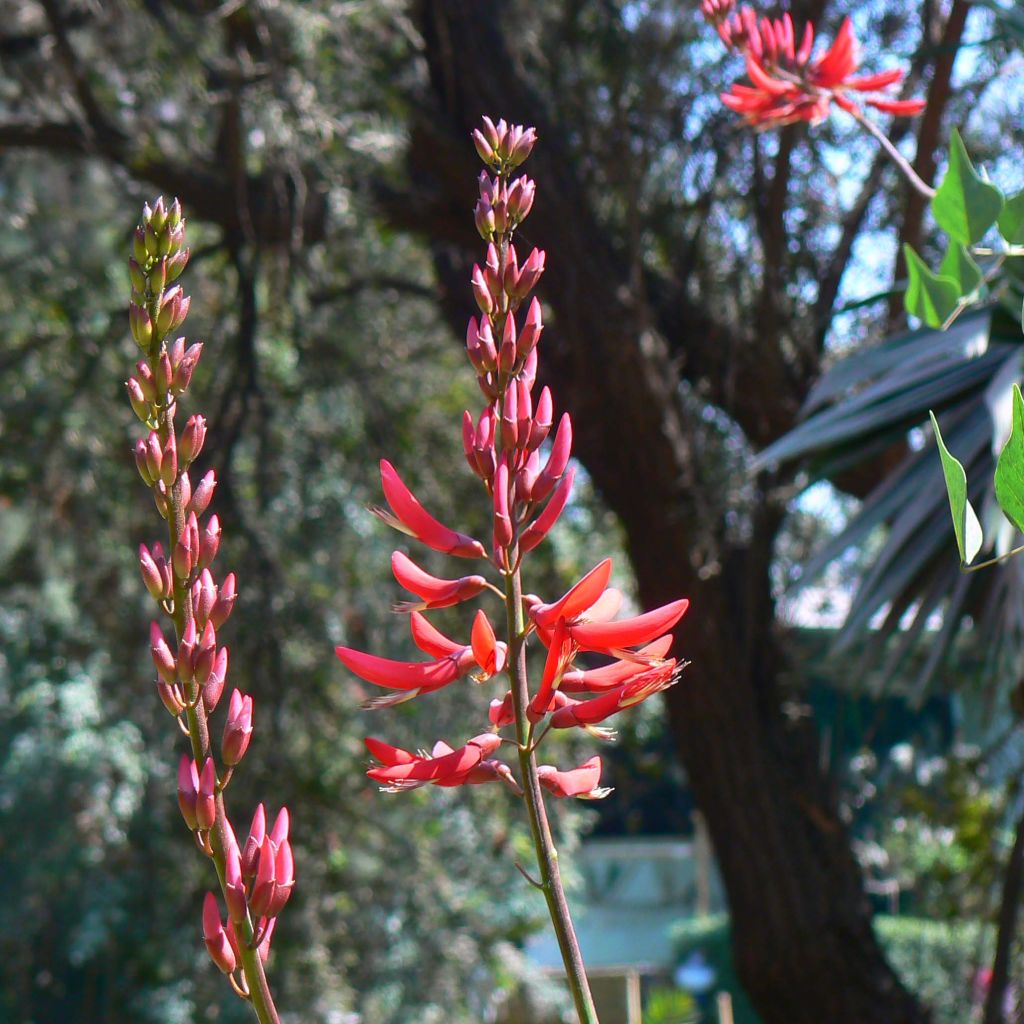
{"points": [[198, 728], [543, 841]]}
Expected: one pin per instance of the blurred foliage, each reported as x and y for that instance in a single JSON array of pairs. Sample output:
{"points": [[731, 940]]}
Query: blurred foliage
{"points": [[669, 1006]]}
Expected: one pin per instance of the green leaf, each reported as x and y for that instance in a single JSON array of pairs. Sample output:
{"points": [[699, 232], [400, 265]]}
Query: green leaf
{"points": [[966, 205], [958, 264], [1011, 220], [930, 297], [1010, 467], [965, 521]]}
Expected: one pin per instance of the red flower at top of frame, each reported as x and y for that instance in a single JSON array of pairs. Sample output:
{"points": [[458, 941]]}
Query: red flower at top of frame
{"points": [[787, 86]]}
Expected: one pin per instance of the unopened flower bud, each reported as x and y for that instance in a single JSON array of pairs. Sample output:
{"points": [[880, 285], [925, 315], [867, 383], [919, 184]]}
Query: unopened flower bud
{"points": [[251, 850], [203, 494], [205, 654], [137, 277], [192, 438], [186, 488], [215, 936], [264, 883], [215, 684], [171, 698], [188, 790], [509, 416], [169, 461], [481, 292], [142, 462], [204, 596], [483, 217], [234, 886], [138, 401], [237, 728], [174, 214], [147, 383], [152, 241], [502, 518], [530, 274], [185, 367], [206, 799], [183, 557], [543, 417], [163, 659], [157, 216], [209, 543], [520, 199], [161, 499], [532, 327], [141, 325], [186, 649], [176, 263], [284, 878], [173, 310], [487, 348], [225, 602], [507, 352], [139, 252], [151, 575]]}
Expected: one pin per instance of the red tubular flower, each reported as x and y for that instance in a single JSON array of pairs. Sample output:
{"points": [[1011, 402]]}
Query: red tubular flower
{"points": [[541, 526], [607, 677], [410, 517], [589, 712], [609, 637], [489, 655], [786, 85], [578, 782], [216, 938], [560, 653], [432, 592], [577, 599], [403, 770]]}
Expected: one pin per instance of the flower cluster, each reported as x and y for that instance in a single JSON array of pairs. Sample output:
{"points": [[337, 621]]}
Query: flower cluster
{"points": [[522, 460], [191, 666], [787, 85]]}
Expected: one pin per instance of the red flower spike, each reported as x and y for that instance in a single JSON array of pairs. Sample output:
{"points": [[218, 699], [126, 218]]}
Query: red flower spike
{"points": [[188, 790], [578, 782], [216, 937], [787, 86], [612, 636], [412, 518], [488, 655], [634, 691], [578, 599], [432, 592], [541, 526], [206, 800]]}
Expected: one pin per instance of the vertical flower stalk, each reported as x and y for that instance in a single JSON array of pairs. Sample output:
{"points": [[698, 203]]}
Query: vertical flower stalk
{"points": [[256, 879], [527, 481]]}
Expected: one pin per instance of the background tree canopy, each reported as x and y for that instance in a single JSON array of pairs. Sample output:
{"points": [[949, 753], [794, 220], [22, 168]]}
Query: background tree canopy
{"points": [[696, 274]]}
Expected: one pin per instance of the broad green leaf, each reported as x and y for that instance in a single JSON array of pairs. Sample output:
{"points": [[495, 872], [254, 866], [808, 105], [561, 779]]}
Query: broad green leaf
{"points": [[1010, 467], [965, 521], [966, 205], [957, 264], [930, 297], [1011, 220]]}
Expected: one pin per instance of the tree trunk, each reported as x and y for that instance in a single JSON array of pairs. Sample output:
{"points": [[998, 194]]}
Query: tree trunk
{"points": [[802, 933]]}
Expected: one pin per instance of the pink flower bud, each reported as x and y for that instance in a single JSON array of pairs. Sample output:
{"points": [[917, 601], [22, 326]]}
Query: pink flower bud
{"points": [[161, 652], [264, 884], [154, 454], [186, 649], [209, 542], [507, 352], [136, 276], [203, 494], [206, 799], [237, 728], [509, 415], [522, 143], [204, 596], [163, 373], [205, 654], [520, 199], [483, 217], [215, 684], [481, 292], [251, 849], [141, 325], [225, 602], [215, 937], [502, 519], [142, 462], [234, 886], [284, 879], [532, 327], [147, 382], [176, 264], [169, 461], [170, 697], [527, 477], [530, 274], [561, 449], [501, 711], [139, 247], [186, 488], [188, 790], [282, 825], [183, 557], [186, 366], [151, 574], [488, 349], [160, 499], [138, 400], [483, 148], [173, 310], [192, 438]]}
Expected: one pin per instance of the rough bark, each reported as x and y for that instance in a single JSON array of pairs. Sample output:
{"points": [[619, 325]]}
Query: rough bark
{"points": [[801, 924]]}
